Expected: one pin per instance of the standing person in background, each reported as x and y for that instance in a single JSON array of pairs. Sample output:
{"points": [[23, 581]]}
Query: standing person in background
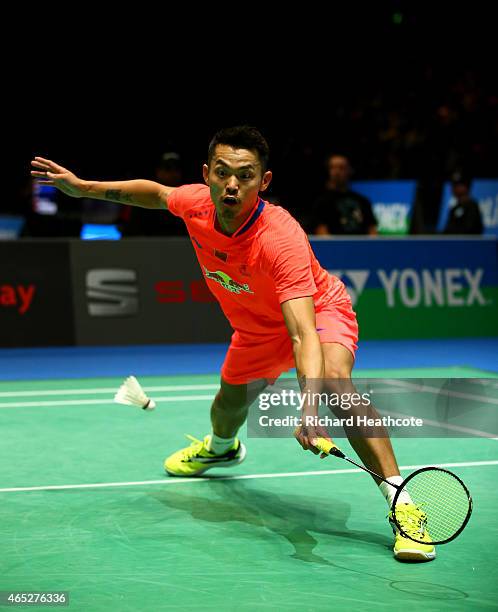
{"points": [[464, 216], [339, 210]]}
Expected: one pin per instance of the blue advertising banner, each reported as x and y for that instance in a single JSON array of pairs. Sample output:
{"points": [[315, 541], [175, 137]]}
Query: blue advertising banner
{"points": [[417, 288], [392, 203], [485, 191]]}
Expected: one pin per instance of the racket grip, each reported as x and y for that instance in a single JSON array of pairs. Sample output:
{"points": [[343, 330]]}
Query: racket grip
{"points": [[328, 447]]}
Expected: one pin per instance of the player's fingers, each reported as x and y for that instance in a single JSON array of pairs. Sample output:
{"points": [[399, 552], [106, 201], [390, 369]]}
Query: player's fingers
{"points": [[309, 442], [304, 438], [308, 445], [40, 173], [50, 164], [299, 437], [303, 442], [321, 432], [43, 160], [312, 436], [39, 164]]}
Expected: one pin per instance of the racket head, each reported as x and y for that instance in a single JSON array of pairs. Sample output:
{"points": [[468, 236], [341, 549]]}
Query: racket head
{"points": [[443, 497]]}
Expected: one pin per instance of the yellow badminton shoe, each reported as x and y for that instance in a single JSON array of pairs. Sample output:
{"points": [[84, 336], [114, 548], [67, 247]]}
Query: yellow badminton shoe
{"points": [[413, 522], [196, 458]]}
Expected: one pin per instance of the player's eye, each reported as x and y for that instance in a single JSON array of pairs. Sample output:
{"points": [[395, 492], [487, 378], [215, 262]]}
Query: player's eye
{"points": [[220, 172]]}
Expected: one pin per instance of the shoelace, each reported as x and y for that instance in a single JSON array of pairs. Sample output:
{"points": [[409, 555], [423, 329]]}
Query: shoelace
{"points": [[413, 520], [194, 448]]}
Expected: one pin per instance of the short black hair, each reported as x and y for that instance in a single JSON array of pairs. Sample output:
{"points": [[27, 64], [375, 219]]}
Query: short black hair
{"points": [[242, 137]]}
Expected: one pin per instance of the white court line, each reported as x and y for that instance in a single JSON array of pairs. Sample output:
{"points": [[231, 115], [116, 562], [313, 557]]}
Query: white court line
{"points": [[491, 382], [89, 402], [207, 387], [35, 393], [467, 430], [437, 391], [180, 398], [173, 481]]}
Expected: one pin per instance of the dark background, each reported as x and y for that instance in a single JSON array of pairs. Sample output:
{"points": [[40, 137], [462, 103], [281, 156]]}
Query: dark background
{"points": [[407, 90]]}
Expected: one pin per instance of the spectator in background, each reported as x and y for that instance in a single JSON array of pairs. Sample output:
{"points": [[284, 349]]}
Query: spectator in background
{"points": [[339, 210], [464, 215], [140, 221], [169, 169]]}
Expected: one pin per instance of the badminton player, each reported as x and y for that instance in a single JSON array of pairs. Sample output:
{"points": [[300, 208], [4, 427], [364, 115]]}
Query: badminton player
{"points": [[285, 309]]}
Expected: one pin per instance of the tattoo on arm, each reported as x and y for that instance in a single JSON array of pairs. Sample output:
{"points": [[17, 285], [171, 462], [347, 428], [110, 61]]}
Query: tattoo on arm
{"points": [[117, 195], [302, 381]]}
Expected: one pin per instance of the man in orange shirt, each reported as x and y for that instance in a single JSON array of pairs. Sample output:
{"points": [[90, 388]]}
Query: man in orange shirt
{"points": [[285, 309]]}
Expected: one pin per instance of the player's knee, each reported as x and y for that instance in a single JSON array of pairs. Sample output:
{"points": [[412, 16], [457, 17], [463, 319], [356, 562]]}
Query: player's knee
{"points": [[337, 379], [333, 372]]}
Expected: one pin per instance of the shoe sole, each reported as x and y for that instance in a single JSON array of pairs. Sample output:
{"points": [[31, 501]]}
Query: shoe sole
{"points": [[414, 555], [221, 464]]}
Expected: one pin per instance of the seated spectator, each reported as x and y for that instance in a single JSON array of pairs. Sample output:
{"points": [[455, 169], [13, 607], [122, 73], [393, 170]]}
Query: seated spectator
{"points": [[339, 210], [464, 216]]}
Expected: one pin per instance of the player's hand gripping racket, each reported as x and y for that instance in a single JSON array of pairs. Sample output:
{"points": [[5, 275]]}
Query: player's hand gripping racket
{"points": [[442, 496]]}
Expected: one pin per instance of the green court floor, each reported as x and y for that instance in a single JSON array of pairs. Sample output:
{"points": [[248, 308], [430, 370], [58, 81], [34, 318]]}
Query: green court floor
{"points": [[283, 531]]}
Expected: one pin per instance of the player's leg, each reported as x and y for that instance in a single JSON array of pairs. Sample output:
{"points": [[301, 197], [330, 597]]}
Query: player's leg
{"points": [[338, 331], [230, 406], [377, 454], [220, 448], [248, 359]]}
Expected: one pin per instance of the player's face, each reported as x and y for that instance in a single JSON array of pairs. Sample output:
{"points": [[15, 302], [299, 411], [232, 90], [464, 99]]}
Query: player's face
{"points": [[339, 170], [235, 178]]}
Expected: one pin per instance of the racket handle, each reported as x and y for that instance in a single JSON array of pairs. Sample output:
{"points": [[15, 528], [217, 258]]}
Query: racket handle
{"points": [[328, 447]]}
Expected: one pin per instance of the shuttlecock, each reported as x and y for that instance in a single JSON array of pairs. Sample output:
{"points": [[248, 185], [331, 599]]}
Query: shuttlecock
{"points": [[132, 394]]}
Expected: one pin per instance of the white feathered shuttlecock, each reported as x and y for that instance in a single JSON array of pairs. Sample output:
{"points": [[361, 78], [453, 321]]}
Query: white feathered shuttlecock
{"points": [[132, 394]]}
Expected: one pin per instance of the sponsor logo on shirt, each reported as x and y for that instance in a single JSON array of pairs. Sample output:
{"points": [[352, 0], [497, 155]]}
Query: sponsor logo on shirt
{"points": [[226, 282]]}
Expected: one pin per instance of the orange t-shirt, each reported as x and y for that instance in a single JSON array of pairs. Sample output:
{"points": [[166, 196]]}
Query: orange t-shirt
{"points": [[267, 261]]}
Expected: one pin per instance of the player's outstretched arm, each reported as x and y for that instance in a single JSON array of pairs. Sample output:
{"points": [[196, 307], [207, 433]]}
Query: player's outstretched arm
{"points": [[138, 192]]}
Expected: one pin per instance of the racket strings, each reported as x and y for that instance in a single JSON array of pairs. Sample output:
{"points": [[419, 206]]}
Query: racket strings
{"points": [[443, 500]]}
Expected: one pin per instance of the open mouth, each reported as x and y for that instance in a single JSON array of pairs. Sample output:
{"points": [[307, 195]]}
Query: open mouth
{"points": [[230, 200]]}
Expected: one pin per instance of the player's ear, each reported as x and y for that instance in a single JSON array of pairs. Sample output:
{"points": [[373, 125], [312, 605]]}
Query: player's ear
{"points": [[267, 176], [205, 173]]}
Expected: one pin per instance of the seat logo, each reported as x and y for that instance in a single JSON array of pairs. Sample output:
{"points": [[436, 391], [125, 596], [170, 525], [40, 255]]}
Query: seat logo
{"points": [[111, 292]]}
